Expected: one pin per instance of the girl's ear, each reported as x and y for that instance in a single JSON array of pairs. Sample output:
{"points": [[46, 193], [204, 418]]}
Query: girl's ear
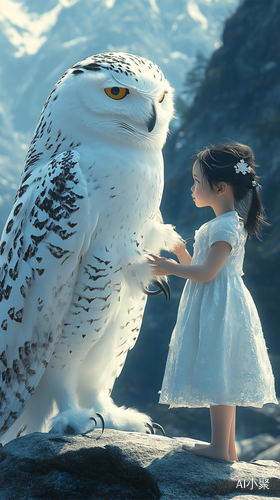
{"points": [[221, 188]]}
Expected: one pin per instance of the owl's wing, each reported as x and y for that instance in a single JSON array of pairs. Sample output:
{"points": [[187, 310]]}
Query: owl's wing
{"points": [[46, 234]]}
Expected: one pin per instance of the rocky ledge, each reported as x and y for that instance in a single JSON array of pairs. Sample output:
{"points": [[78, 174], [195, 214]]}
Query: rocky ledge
{"points": [[126, 466]]}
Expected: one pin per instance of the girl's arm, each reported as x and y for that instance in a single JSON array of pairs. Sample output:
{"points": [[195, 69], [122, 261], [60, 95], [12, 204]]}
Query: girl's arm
{"points": [[215, 259]]}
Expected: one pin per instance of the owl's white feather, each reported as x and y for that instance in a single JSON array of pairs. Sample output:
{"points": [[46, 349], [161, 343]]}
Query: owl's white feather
{"points": [[73, 263]]}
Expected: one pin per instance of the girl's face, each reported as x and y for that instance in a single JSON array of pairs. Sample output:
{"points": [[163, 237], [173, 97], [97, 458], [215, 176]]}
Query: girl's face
{"points": [[201, 192]]}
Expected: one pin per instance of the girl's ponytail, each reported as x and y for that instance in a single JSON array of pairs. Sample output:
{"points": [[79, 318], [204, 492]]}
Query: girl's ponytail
{"points": [[254, 219]]}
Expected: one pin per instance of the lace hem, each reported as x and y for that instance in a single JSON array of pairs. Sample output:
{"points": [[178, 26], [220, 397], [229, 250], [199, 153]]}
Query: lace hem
{"points": [[215, 403]]}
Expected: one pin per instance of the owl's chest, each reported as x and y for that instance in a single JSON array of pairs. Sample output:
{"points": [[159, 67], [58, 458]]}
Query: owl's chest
{"points": [[124, 185]]}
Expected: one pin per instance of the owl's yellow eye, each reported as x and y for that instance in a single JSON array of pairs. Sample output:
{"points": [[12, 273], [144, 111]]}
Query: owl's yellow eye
{"points": [[162, 97], [116, 92]]}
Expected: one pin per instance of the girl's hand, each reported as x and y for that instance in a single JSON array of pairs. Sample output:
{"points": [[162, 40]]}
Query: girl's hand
{"points": [[160, 266], [182, 253], [180, 249]]}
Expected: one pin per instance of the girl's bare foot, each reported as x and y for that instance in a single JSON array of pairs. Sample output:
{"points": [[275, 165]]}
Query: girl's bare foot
{"points": [[233, 457], [207, 451]]}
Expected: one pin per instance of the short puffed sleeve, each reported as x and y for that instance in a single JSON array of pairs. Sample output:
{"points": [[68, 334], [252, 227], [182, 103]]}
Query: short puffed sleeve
{"points": [[225, 229]]}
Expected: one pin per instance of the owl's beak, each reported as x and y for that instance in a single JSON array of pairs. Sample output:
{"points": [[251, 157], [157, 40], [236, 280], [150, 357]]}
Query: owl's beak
{"points": [[152, 120]]}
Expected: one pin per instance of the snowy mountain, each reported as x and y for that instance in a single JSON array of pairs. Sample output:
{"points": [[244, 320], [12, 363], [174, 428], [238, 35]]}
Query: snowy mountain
{"points": [[40, 40]]}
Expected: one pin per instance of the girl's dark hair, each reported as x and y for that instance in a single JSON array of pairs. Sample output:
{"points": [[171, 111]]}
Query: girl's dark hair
{"points": [[217, 165]]}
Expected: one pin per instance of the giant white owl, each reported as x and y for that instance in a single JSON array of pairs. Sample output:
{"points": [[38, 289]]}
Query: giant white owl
{"points": [[73, 264]]}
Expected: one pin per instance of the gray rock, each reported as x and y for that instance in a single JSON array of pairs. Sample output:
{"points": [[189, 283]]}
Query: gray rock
{"points": [[259, 447], [272, 453], [125, 466]]}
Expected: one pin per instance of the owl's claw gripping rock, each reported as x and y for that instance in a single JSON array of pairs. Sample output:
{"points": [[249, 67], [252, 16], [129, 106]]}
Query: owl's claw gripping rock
{"points": [[153, 427], [151, 430], [162, 287], [85, 434], [159, 428]]}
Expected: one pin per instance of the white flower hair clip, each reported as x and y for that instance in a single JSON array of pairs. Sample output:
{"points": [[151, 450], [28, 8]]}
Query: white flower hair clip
{"points": [[242, 167]]}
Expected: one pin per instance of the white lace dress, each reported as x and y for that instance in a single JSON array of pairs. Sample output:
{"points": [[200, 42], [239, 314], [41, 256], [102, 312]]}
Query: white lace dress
{"points": [[217, 353]]}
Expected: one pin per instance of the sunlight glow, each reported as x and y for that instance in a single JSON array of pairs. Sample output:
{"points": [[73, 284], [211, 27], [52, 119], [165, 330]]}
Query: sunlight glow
{"points": [[109, 3]]}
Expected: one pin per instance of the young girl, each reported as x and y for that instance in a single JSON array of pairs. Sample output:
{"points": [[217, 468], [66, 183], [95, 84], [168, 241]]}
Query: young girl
{"points": [[217, 356]]}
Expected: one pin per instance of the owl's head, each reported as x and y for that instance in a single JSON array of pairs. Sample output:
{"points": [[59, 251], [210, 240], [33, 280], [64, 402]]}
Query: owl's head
{"points": [[114, 97]]}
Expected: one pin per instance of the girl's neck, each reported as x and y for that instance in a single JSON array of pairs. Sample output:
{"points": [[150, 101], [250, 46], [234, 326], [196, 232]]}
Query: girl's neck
{"points": [[223, 208], [221, 199]]}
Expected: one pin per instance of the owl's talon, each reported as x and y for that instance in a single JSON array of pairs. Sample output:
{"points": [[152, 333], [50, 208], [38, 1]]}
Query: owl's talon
{"points": [[103, 423], [159, 428], [153, 427], [85, 434], [94, 419], [150, 428], [162, 287]]}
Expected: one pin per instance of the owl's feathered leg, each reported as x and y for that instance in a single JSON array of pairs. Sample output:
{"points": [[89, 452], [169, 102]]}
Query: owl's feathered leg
{"points": [[105, 361], [83, 379]]}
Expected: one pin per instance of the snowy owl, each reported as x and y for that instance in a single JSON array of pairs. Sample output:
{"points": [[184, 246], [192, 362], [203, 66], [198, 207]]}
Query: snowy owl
{"points": [[73, 265]]}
